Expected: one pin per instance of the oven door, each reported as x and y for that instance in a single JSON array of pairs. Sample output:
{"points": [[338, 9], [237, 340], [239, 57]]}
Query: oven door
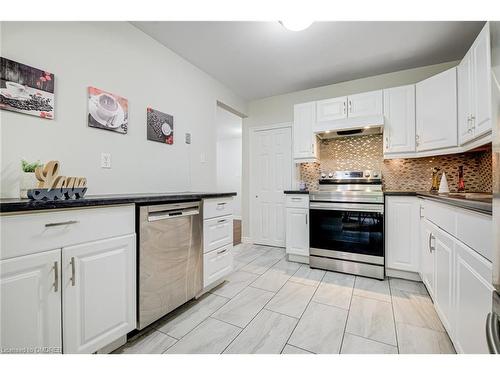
{"points": [[351, 231]]}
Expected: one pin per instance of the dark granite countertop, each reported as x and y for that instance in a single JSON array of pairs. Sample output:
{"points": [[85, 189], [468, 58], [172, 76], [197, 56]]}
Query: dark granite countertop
{"points": [[14, 205], [480, 202], [296, 191]]}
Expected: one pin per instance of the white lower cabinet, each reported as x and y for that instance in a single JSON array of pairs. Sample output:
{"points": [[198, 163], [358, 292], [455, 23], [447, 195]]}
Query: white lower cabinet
{"points": [[297, 226], [99, 292], [31, 303], [402, 220], [458, 279], [217, 241], [78, 298]]}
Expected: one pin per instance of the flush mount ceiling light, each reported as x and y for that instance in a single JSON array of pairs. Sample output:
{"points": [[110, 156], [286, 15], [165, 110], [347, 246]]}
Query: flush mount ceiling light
{"points": [[296, 25]]}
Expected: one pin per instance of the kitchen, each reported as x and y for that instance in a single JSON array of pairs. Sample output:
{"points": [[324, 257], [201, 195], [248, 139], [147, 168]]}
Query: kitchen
{"points": [[368, 223]]}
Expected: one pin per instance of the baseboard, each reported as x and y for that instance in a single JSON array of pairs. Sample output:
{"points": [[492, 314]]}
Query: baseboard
{"points": [[113, 345], [407, 275], [246, 240], [298, 258]]}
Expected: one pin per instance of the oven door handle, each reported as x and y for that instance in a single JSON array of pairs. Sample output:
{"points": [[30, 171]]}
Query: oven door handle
{"points": [[347, 207]]}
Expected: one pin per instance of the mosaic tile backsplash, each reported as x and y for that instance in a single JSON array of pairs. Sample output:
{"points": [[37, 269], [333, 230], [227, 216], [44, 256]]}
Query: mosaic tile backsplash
{"points": [[366, 152]]}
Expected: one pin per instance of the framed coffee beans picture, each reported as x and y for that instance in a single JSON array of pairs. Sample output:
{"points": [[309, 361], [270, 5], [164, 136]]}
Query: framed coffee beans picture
{"points": [[26, 89], [107, 111], [160, 126]]}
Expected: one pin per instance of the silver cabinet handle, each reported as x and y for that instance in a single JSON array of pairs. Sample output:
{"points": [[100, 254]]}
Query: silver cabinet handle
{"points": [[493, 332], [344, 109], [69, 222], [56, 276], [221, 251], [431, 237], [306, 219], [350, 106], [221, 221], [473, 120], [417, 140], [296, 199], [73, 280]]}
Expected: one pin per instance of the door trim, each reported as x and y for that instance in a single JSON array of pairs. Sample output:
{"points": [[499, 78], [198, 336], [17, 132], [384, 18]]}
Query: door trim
{"points": [[253, 132]]}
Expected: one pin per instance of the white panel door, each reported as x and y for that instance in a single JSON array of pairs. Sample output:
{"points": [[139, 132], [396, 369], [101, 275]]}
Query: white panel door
{"points": [[402, 233], [481, 73], [304, 145], [30, 303], [399, 124], [365, 104], [464, 87], [331, 109], [473, 291], [436, 102], [426, 256], [99, 293], [297, 231], [442, 245], [271, 174]]}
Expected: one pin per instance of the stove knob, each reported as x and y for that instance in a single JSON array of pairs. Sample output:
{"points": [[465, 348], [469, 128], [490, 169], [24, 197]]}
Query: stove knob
{"points": [[367, 174], [330, 174], [375, 174], [323, 175]]}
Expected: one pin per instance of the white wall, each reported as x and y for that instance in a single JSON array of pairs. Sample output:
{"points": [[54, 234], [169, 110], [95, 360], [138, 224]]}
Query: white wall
{"points": [[229, 155], [278, 109], [116, 57]]}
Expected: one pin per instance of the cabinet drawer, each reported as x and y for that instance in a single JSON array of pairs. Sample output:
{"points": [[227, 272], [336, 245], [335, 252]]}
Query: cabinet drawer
{"points": [[217, 264], [217, 207], [217, 232], [24, 234], [297, 201]]}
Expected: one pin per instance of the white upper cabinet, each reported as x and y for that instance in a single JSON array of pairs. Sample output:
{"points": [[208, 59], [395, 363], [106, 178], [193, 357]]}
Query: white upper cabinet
{"points": [[30, 303], [399, 124], [474, 90], [304, 140], [436, 103], [481, 78], [365, 104], [99, 293], [331, 109]]}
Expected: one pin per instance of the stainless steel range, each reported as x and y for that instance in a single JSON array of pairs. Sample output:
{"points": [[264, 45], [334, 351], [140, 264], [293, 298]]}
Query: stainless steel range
{"points": [[347, 223]]}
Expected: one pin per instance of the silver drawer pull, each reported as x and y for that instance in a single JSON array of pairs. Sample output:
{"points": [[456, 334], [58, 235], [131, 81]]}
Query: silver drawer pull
{"points": [[296, 199], [221, 221], [221, 251], [73, 281], [56, 276], [69, 222]]}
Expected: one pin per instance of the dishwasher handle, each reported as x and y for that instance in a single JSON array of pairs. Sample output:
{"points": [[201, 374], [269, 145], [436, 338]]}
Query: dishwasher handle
{"points": [[172, 214], [493, 332]]}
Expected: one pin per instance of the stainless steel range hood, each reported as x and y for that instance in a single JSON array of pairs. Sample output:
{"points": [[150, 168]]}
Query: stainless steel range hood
{"points": [[350, 127], [339, 133]]}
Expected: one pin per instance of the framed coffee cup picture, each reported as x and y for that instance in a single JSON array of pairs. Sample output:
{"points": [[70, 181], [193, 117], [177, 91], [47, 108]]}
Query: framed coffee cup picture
{"points": [[107, 111], [26, 89]]}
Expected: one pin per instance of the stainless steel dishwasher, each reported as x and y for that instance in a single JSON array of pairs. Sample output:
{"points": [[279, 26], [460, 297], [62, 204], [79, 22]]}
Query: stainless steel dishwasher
{"points": [[170, 258]]}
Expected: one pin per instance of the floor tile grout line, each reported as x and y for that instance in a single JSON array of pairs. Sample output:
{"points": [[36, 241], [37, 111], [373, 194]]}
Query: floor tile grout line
{"points": [[264, 307], [393, 316], [301, 315], [370, 339], [296, 347], [348, 314]]}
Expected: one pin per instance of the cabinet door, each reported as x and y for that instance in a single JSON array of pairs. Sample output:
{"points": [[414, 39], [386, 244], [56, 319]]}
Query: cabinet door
{"points": [[30, 303], [426, 256], [436, 101], [304, 145], [331, 109], [402, 233], [365, 104], [297, 231], [399, 124], [99, 293], [442, 246], [473, 302], [464, 84], [481, 73]]}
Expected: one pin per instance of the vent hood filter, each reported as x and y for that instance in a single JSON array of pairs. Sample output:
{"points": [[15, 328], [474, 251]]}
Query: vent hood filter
{"points": [[350, 132]]}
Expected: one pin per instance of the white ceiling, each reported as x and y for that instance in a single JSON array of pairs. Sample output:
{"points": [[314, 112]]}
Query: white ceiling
{"points": [[260, 59]]}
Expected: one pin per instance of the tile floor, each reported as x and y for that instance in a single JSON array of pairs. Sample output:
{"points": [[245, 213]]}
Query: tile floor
{"points": [[270, 305]]}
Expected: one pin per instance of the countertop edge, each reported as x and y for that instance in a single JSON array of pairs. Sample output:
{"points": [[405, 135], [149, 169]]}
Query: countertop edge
{"points": [[26, 205]]}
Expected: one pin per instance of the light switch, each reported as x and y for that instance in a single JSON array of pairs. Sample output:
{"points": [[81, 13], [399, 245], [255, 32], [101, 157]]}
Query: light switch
{"points": [[203, 158], [105, 160]]}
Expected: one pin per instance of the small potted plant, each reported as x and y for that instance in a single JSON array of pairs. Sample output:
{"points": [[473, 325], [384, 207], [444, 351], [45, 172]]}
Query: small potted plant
{"points": [[28, 179]]}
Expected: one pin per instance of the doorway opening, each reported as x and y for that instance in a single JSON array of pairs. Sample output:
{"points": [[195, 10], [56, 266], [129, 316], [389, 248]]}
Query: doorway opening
{"points": [[229, 133]]}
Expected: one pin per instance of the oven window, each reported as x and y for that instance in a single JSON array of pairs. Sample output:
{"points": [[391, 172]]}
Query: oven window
{"points": [[349, 231]]}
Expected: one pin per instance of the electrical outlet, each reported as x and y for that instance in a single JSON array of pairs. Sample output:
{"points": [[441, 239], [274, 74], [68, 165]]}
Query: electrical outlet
{"points": [[105, 160], [203, 158]]}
